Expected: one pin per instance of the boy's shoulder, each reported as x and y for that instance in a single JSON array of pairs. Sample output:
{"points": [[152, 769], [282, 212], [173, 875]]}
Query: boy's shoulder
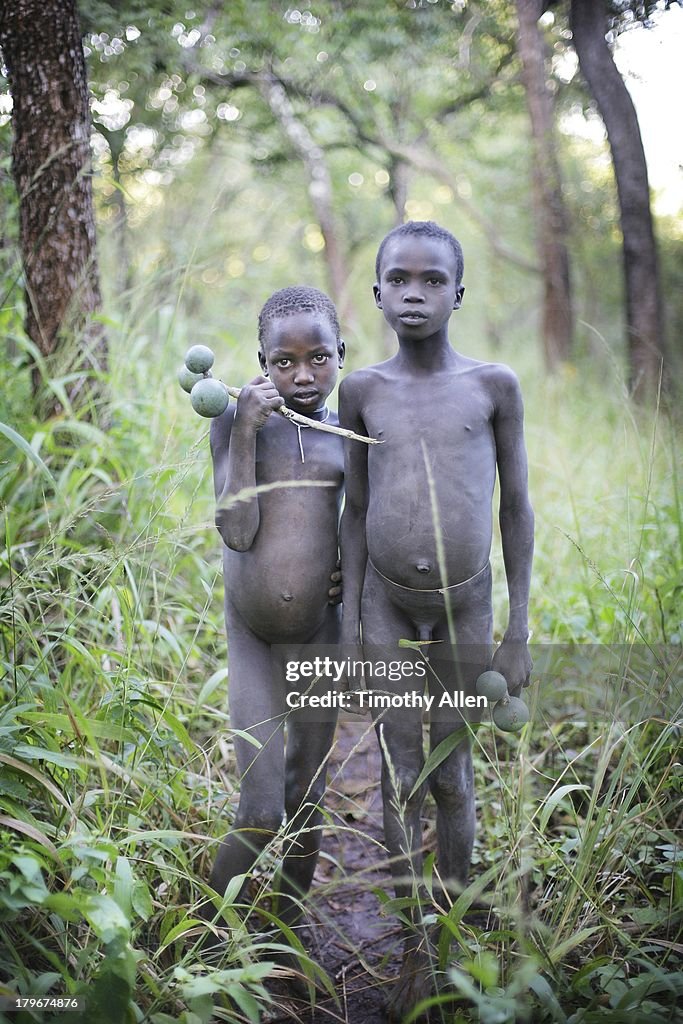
{"points": [[497, 377], [485, 367], [500, 386]]}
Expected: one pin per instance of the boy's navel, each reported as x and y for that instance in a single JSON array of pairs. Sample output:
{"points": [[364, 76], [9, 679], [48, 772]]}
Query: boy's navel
{"points": [[286, 597], [423, 567]]}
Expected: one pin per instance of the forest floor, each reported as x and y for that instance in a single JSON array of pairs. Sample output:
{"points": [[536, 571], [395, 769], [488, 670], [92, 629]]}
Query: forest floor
{"points": [[346, 934]]}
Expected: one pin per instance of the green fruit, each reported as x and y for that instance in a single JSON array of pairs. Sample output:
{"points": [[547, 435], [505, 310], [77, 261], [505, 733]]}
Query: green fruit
{"points": [[510, 714], [492, 685], [199, 359], [209, 397], [187, 379]]}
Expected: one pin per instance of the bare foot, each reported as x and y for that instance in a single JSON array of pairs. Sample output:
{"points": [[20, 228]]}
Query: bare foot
{"points": [[415, 982]]}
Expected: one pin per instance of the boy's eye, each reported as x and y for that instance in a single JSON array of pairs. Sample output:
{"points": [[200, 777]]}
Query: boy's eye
{"points": [[283, 363], [320, 358], [434, 280], [395, 279]]}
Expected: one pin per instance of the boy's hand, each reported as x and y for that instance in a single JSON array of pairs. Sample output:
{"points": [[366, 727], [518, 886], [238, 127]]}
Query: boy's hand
{"points": [[512, 660], [256, 402], [334, 594], [353, 651]]}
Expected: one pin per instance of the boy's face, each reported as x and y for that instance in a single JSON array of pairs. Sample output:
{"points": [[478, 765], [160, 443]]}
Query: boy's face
{"points": [[418, 289], [302, 357]]}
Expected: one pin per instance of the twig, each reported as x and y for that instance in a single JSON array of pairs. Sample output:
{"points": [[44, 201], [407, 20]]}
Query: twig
{"points": [[304, 421]]}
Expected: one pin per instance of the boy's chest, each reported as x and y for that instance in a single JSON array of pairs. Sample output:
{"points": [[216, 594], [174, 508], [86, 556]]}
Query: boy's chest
{"points": [[453, 411], [290, 453]]}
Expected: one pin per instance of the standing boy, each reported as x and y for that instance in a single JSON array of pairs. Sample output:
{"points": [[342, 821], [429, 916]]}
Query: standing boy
{"points": [[416, 536], [279, 553]]}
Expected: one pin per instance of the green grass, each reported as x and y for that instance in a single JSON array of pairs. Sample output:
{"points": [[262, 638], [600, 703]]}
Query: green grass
{"points": [[115, 745]]}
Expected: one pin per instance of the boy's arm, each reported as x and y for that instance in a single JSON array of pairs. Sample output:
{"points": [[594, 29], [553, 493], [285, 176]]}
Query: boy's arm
{"points": [[516, 519], [238, 518], [353, 543]]}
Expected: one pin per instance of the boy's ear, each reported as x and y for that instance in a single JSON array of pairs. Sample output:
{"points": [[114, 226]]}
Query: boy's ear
{"points": [[262, 362], [341, 353], [378, 295], [459, 292]]}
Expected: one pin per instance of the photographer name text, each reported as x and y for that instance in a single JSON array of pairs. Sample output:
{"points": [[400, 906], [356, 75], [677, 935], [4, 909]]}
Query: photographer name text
{"points": [[376, 701]]}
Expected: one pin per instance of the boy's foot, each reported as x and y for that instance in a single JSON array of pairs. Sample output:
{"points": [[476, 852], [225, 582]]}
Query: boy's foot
{"points": [[416, 981]]}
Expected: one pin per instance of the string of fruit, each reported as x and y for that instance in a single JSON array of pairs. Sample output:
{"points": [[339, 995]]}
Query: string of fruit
{"points": [[210, 396], [510, 714]]}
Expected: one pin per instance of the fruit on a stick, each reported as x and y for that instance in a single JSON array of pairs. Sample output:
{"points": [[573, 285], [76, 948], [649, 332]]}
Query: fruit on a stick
{"points": [[492, 685], [187, 379], [510, 714], [209, 397], [199, 359]]}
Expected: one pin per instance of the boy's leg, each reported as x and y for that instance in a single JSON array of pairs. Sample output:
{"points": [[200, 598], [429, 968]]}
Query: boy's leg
{"points": [[310, 736], [399, 732], [457, 669], [400, 735], [256, 707]]}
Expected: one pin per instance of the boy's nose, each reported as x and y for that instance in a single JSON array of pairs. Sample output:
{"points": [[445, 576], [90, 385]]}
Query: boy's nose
{"points": [[303, 375], [413, 295]]}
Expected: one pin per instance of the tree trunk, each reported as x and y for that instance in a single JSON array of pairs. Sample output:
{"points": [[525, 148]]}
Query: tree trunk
{"points": [[551, 217], [41, 44], [398, 188], [644, 313], [320, 183]]}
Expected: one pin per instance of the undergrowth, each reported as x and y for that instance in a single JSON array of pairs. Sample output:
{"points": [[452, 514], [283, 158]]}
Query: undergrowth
{"points": [[116, 766]]}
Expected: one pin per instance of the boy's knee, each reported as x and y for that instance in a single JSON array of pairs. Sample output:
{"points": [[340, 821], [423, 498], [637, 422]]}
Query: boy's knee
{"points": [[399, 784], [302, 792], [264, 820], [452, 784]]}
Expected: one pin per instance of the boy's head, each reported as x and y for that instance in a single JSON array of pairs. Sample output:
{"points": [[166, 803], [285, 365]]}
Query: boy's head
{"points": [[424, 229], [300, 347], [419, 280]]}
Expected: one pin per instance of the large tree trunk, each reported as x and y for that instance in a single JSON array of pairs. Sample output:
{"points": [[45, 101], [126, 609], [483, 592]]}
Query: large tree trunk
{"points": [[41, 44], [551, 217], [644, 314]]}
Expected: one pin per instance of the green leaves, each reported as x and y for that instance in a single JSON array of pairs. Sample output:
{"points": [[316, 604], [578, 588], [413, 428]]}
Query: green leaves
{"points": [[26, 448]]}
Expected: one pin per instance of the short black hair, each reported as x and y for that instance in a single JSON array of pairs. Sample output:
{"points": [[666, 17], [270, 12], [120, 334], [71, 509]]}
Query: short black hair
{"points": [[296, 299], [428, 229]]}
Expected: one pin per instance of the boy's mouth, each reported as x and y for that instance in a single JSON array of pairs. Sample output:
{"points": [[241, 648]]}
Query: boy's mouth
{"points": [[412, 317], [305, 397]]}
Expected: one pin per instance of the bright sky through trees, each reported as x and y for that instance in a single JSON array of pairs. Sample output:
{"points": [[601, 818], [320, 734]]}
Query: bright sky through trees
{"points": [[650, 61]]}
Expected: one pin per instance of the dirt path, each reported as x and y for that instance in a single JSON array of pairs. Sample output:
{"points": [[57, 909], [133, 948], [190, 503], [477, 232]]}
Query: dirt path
{"points": [[353, 943]]}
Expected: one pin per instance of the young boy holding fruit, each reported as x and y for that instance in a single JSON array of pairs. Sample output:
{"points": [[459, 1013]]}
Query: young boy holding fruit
{"points": [[278, 488], [416, 535]]}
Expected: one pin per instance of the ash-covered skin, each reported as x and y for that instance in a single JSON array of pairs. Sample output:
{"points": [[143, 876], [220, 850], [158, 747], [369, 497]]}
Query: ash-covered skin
{"points": [[280, 552], [418, 518]]}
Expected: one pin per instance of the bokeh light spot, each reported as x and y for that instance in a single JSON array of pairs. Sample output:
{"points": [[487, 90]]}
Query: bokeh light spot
{"points": [[313, 239], [235, 266]]}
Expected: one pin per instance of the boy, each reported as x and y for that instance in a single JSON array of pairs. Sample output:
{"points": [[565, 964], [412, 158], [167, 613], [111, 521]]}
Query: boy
{"points": [[279, 554], [416, 534]]}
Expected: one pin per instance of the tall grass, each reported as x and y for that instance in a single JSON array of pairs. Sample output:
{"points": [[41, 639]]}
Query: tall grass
{"points": [[116, 767]]}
